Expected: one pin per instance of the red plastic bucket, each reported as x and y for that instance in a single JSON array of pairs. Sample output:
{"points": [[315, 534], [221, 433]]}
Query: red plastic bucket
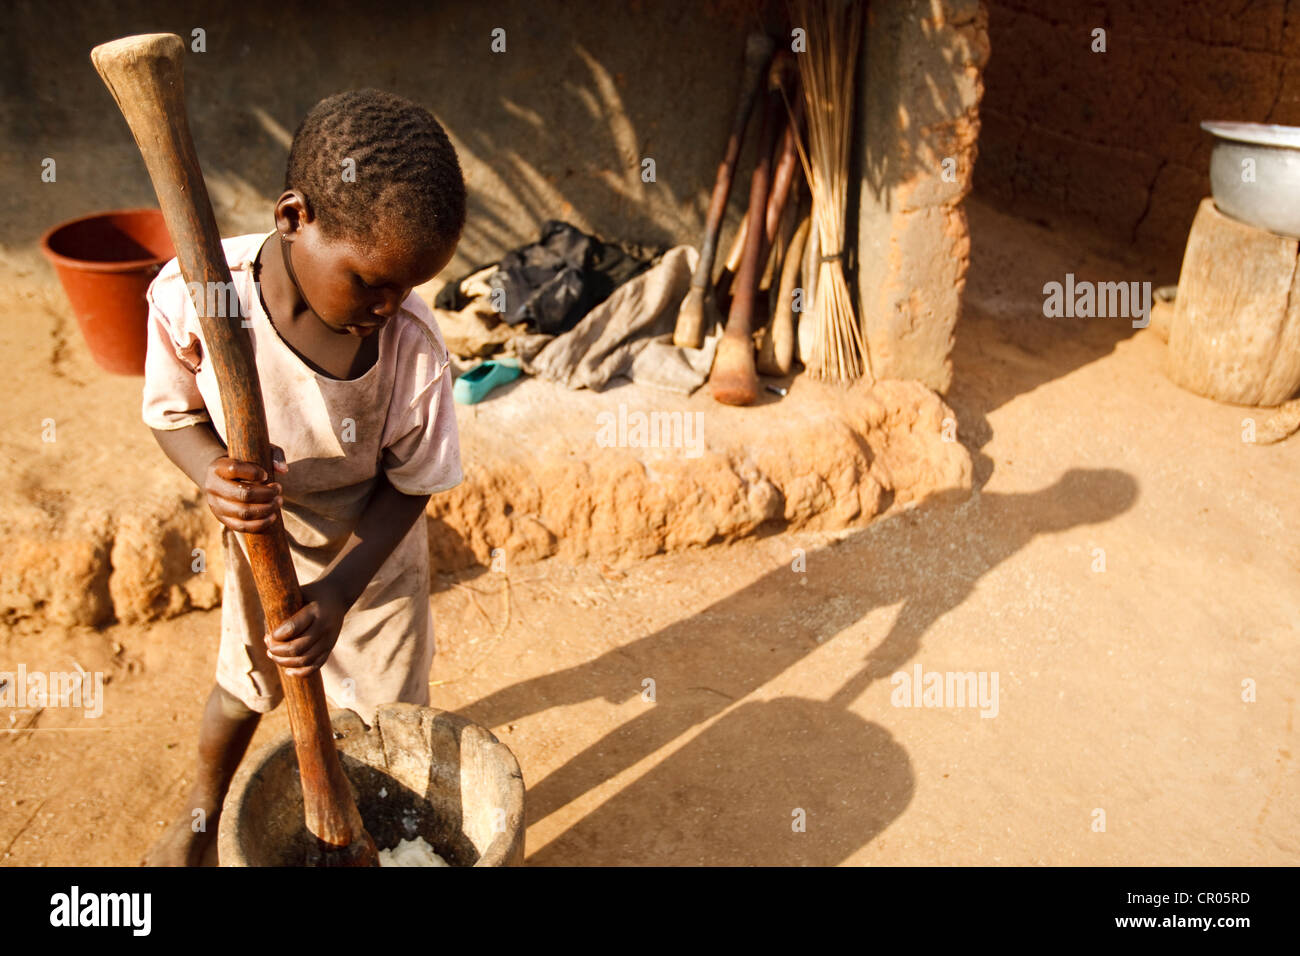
{"points": [[106, 262]]}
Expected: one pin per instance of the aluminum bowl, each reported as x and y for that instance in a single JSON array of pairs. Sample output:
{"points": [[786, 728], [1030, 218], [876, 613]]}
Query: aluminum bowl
{"points": [[1266, 191]]}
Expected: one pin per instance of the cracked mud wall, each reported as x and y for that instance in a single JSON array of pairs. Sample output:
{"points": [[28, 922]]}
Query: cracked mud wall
{"points": [[920, 88], [556, 126], [1109, 144], [832, 460]]}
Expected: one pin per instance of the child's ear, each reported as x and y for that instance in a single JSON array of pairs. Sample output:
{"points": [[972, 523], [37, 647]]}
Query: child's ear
{"points": [[292, 211]]}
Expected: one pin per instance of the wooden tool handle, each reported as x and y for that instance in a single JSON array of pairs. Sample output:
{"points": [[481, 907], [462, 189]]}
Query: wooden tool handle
{"points": [[787, 161], [689, 332], [758, 50], [783, 74], [776, 355], [145, 75], [734, 378]]}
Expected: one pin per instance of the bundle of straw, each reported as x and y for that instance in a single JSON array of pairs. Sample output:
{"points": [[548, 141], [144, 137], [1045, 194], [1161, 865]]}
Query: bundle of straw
{"points": [[828, 67]]}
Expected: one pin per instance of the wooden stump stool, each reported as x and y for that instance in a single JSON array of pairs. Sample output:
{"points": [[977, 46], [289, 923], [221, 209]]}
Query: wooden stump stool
{"points": [[1235, 335]]}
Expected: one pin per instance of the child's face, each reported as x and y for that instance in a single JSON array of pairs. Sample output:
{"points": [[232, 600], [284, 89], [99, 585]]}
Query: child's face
{"points": [[355, 288]]}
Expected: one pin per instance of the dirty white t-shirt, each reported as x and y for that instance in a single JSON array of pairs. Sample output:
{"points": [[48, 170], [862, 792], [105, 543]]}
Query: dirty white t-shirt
{"points": [[337, 435]]}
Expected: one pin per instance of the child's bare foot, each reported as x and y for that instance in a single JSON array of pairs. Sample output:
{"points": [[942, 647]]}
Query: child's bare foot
{"points": [[186, 841]]}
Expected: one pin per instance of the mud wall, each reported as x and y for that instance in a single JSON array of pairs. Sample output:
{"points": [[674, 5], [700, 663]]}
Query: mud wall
{"points": [[917, 144], [556, 126], [1109, 144]]}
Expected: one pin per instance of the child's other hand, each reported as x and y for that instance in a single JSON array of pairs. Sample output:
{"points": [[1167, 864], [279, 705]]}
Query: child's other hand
{"points": [[241, 494], [303, 642]]}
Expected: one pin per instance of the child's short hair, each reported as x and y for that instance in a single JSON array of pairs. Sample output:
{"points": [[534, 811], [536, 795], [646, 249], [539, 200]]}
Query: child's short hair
{"points": [[404, 179]]}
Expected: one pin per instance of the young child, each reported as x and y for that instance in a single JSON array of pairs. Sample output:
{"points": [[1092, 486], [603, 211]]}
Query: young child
{"points": [[358, 397]]}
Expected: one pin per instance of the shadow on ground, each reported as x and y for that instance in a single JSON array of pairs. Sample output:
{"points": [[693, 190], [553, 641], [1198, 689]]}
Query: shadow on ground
{"points": [[730, 795], [1004, 346]]}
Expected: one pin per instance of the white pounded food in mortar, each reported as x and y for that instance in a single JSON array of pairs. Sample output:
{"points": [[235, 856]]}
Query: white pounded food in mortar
{"points": [[411, 853]]}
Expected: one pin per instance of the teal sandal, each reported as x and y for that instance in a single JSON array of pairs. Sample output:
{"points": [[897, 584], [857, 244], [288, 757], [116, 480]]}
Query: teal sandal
{"points": [[474, 386]]}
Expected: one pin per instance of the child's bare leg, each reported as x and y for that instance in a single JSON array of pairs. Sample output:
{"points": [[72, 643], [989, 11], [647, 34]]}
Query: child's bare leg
{"points": [[227, 728]]}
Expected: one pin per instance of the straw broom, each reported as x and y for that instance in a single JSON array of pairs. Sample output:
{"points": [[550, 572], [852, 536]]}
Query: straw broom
{"points": [[834, 34]]}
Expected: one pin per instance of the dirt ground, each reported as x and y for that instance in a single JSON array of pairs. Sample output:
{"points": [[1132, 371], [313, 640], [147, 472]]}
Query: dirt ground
{"points": [[1126, 567]]}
